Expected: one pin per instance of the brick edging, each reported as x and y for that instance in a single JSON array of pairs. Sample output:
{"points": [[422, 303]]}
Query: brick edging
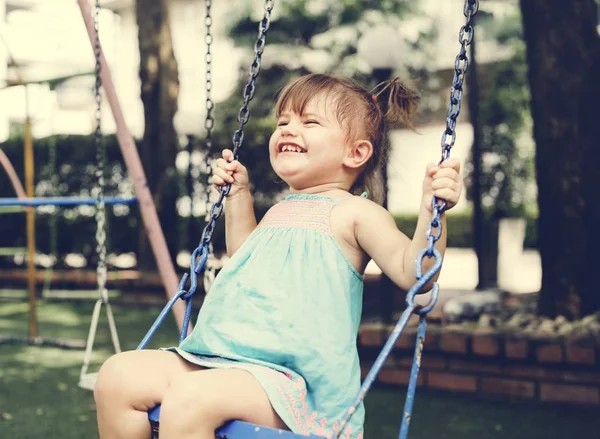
{"points": [[488, 362]]}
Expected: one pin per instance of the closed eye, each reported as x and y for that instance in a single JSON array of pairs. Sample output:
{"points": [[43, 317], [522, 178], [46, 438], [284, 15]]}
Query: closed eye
{"points": [[282, 124], [313, 122]]}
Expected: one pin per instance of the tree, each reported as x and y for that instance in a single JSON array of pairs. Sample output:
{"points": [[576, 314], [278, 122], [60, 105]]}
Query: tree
{"points": [[159, 93], [504, 113], [563, 53]]}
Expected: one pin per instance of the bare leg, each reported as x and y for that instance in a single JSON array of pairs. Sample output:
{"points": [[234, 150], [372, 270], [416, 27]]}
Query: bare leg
{"points": [[199, 402], [130, 384]]}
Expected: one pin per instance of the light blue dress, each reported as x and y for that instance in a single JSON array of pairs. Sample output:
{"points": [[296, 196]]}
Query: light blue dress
{"points": [[286, 307]]}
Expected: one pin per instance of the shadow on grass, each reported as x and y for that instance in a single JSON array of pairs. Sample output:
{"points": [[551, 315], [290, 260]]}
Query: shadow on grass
{"points": [[447, 416]]}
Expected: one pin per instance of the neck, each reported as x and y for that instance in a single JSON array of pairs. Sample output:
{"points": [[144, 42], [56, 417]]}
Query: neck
{"points": [[322, 189]]}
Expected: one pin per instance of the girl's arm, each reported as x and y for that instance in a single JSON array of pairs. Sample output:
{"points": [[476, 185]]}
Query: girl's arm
{"points": [[376, 232], [240, 220]]}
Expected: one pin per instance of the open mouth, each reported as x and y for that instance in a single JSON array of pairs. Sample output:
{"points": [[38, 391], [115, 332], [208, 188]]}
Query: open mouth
{"points": [[290, 147]]}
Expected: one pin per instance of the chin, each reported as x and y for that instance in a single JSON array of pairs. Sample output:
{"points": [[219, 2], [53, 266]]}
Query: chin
{"points": [[287, 171], [293, 179]]}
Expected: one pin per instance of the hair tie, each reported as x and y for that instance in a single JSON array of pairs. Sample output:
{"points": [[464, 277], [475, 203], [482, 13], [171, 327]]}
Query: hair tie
{"points": [[374, 98]]}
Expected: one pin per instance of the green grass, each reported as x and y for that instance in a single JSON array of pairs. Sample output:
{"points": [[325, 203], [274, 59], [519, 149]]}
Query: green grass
{"points": [[39, 397]]}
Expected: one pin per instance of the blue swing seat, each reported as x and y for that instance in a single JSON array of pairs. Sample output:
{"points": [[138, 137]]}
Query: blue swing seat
{"points": [[236, 430]]}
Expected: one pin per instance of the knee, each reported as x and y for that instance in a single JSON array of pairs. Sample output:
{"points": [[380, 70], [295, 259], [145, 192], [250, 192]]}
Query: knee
{"points": [[189, 405], [112, 377]]}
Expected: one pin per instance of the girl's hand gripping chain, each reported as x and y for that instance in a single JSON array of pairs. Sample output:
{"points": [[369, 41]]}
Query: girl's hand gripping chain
{"points": [[228, 170], [443, 181]]}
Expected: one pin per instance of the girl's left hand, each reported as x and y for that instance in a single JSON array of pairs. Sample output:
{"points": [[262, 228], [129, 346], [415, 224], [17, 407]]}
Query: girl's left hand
{"points": [[444, 182]]}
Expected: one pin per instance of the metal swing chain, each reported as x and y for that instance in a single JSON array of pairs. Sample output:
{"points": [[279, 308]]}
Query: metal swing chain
{"points": [[201, 253], [209, 122], [87, 381], [243, 117], [53, 234], [101, 208], [461, 65], [101, 269]]}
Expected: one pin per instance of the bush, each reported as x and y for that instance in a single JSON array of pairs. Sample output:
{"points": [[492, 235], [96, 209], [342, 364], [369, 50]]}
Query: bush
{"points": [[460, 229], [71, 173]]}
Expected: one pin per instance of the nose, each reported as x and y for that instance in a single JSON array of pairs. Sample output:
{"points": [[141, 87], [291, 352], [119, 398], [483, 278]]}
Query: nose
{"points": [[288, 130]]}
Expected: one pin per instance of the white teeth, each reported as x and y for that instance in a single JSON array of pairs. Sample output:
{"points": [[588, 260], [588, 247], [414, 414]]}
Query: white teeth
{"points": [[291, 148]]}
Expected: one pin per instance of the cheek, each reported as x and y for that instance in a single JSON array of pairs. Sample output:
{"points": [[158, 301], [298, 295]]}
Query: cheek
{"points": [[273, 141]]}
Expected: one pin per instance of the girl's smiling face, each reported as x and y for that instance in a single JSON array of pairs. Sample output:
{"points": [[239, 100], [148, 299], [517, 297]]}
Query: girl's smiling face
{"points": [[307, 149]]}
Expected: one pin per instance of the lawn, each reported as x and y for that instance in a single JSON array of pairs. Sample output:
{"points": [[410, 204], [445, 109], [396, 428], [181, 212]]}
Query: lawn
{"points": [[39, 397]]}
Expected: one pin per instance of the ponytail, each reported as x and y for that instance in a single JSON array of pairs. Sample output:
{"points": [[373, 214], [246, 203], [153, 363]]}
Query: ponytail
{"points": [[390, 103]]}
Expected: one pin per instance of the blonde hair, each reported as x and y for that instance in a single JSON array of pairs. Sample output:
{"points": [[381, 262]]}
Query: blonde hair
{"points": [[361, 113]]}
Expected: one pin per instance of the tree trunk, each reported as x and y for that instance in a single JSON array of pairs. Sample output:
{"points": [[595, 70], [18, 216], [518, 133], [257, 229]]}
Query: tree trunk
{"points": [[159, 92], [563, 54]]}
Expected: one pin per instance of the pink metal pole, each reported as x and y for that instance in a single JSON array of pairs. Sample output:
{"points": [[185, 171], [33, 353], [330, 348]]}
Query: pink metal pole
{"points": [[137, 175], [12, 175]]}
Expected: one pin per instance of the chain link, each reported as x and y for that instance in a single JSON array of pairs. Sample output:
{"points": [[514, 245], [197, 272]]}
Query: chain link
{"points": [[238, 137], [101, 268], [461, 65], [210, 270], [249, 89], [209, 121]]}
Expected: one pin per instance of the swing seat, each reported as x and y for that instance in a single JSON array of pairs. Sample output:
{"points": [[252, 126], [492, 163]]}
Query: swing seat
{"points": [[88, 381], [236, 430]]}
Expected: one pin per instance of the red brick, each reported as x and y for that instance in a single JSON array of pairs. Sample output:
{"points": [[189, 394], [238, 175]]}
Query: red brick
{"points": [[451, 381], [406, 340], [453, 343], [474, 366], [485, 345], [570, 394], [510, 388], [397, 377], [432, 338], [370, 335], [581, 354], [516, 349], [536, 372], [549, 353], [405, 362], [582, 377], [364, 369], [432, 362]]}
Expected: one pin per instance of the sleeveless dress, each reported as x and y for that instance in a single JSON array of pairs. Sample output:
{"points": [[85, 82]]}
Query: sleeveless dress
{"points": [[286, 308]]}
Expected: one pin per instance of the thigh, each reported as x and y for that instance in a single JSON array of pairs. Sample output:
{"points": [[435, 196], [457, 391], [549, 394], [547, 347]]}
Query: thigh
{"points": [[216, 396], [140, 378]]}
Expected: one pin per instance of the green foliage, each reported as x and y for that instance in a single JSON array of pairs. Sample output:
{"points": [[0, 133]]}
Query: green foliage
{"points": [[73, 175], [507, 168], [460, 229]]}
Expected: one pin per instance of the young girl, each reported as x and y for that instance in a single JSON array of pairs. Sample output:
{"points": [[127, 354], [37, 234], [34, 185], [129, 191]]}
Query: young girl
{"points": [[275, 340]]}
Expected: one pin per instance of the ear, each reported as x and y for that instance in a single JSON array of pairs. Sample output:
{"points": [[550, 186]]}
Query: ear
{"points": [[358, 154]]}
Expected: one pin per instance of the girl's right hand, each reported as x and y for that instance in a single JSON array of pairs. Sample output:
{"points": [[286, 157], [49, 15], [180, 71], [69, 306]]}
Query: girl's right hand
{"points": [[231, 171]]}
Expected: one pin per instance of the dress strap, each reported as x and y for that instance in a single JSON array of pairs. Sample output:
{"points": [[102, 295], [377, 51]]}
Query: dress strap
{"points": [[347, 197]]}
